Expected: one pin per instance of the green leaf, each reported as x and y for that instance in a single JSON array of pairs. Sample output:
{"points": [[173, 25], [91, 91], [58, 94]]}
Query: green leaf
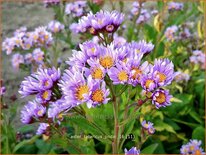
{"points": [[43, 150], [161, 126], [88, 126], [149, 149], [25, 142], [195, 116]]}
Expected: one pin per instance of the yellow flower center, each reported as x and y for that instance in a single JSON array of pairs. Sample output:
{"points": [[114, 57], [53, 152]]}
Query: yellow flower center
{"points": [[81, 90], [192, 148], [137, 73], [45, 95], [40, 57], [93, 49], [161, 98], [100, 22], [92, 30], [46, 83], [136, 50], [97, 73], [40, 113], [162, 77], [46, 37], [28, 45], [98, 96], [122, 76], [107, 62], [148, 82], [56, 29]]}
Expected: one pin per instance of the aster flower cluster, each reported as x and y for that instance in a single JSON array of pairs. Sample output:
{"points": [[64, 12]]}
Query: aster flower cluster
{"points": [[175, 33], [198, 57], [123, 66], [132, 151], [76, 9], [101, 22], [37, 57], [175, 6], [49, 105], [193, 147], [24, 40], [143, 14]]}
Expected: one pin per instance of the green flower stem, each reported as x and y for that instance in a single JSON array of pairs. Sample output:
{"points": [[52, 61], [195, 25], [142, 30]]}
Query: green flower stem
{"points": [[68, 140]]}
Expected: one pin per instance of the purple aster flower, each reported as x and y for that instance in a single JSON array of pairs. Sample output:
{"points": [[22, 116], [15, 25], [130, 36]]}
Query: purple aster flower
{"points": [[108, 57], [28, 58], [148, 82], [163, 71], [184, 150], [198, 57], [58, 108], [77, 8], [42, 36], [2, 90], [38, 55], [148, 126], [74, 86], [119, 74], [101, 21], [77, 28], [154, 12], [8, 45], [17, 59], [170, 32], [137, 70], [161, 98], [78, 59], [141, 47], [31, 111], [90, 48], [44, 96], [48, 3], [118, 41], [55, 26], [99, 94], [181, 76], [144, 16], [42, 80], [42, 128], [96, 70], [174, 6], [20, 30], [132, 151]]}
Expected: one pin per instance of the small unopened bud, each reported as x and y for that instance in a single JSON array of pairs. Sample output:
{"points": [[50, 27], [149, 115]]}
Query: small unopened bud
{"points": [[140, 102]]}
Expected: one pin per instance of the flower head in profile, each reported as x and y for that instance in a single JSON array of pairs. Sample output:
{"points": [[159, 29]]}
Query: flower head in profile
{"points": [[39, 82], [17, 59], [38, 55], [161, 98], [43, 127], [32, 111], [132, 151], [55, 26]]}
